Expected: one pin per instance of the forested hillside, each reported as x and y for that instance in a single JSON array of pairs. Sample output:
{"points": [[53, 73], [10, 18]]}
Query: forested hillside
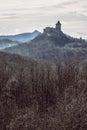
{"points": [[37, 95]]}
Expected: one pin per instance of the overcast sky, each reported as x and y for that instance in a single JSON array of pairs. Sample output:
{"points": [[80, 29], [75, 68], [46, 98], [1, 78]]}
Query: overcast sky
{"points": [[18, 16]]}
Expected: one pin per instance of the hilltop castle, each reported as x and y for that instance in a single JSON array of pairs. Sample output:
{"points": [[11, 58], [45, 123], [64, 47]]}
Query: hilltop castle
{"points": [[57, 28]]}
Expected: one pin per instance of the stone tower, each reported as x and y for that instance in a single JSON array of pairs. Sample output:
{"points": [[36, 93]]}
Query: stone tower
{"points": [[58, 26]]}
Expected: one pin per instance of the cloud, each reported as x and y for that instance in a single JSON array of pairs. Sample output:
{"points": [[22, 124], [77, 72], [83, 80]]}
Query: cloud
{"points": [[66, 3], [73, 16], [28, 15], [82, 33]]}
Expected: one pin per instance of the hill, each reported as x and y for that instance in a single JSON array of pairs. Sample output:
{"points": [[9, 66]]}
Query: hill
{"points": [[38, 95], [24, 37], [6, 43], [52, 45]]}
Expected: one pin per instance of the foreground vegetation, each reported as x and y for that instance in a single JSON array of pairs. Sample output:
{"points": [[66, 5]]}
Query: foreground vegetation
{"points": [[42, 96]]}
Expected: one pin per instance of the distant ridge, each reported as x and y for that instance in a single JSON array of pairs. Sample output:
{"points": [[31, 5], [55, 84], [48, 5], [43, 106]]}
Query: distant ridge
{"points": [[23, 37]]}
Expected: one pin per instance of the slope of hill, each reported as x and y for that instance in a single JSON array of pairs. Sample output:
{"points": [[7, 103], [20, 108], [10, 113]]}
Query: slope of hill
{"points": [[6, 43], [52, 44], [24, 37], [42, 96]]}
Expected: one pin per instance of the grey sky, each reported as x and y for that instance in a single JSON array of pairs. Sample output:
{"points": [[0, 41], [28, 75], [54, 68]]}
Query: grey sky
{"points": [[18, 16]]}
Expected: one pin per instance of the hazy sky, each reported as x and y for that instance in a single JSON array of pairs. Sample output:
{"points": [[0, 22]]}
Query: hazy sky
{"points": [[27, 15]]}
